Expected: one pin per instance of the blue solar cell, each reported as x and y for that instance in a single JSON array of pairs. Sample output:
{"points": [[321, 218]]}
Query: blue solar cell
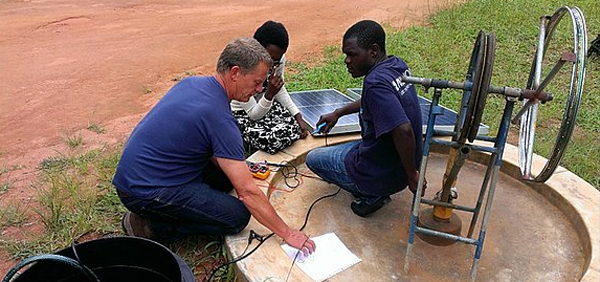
{"points": [[315, 103], [447, 118]]}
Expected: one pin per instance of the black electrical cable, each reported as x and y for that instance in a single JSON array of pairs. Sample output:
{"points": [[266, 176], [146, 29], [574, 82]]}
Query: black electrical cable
{"points": [[313, 204], [240, 257], [289, 171], [263, 239]]}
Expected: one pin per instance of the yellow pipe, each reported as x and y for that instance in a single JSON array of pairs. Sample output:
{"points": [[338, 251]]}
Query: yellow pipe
{"points": [[444, 213]]}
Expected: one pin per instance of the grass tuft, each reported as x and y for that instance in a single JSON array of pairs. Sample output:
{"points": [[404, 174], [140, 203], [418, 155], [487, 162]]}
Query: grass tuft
{"points": [[74, 141], [96, 128], [12, 214], [5, 186]]}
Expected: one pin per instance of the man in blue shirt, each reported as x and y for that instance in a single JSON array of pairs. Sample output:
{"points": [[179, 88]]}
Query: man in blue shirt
{"points": [[386, 159], [186, 155]]}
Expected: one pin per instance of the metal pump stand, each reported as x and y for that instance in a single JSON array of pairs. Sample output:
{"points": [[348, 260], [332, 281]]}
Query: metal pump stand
{"points": [[439, 225]]}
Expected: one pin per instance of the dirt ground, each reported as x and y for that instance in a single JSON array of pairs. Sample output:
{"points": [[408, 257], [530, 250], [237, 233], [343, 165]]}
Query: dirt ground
{"points": [[69, 64]]}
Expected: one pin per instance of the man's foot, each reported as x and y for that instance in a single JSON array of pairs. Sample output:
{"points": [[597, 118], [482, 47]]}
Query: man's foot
{"points": [[361, 208], [136, 226]]}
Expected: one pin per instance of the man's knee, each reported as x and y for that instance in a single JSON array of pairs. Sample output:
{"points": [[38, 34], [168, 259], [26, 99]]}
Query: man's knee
{"points": [[311, 158], [240, 221]]}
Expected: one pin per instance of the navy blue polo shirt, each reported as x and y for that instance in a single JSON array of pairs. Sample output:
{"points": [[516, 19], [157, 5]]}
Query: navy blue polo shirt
{"points": [[173, 143], [386, 103]]}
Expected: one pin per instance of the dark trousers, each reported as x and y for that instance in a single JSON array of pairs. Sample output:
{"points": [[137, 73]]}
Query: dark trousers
{"points": [[203, 206], [328, 163]]}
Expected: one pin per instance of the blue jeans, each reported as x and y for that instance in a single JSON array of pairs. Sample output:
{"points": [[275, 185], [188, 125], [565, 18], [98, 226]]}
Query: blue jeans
{"points": [[203, 206], [328, 163]]}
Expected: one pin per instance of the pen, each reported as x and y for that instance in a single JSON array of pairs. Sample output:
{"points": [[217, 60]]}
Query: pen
{"points": [[319, 128]]}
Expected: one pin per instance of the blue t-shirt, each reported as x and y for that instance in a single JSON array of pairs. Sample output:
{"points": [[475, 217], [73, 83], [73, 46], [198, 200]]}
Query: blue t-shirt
{"points": [[173, 143], [386, 103]]}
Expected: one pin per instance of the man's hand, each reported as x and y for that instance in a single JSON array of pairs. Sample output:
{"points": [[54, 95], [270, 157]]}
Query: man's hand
{"points": [[273, 87], [300, 241], [330, 120], [413, 183], [257, 203]]}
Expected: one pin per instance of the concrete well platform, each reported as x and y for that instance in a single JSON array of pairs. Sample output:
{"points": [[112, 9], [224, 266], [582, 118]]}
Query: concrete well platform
{"points": [[547, 232]]}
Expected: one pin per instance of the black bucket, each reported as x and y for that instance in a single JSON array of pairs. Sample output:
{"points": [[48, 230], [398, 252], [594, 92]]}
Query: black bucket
{"points": [[112, 259]]}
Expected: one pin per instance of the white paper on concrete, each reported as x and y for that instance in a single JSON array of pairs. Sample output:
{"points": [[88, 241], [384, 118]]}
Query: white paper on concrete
{"points": [[329, 259]]}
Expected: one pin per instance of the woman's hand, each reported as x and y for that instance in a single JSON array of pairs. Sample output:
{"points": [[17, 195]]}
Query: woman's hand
{"points": [[303, 127], [304, 131], [273, 87]]}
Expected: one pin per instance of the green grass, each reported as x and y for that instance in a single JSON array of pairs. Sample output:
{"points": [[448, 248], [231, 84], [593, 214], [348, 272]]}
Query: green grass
{"points": [[331, 73], [6, 182], [96, 128], [75, 198], [12, 215], [74, 141], [442, 49], [5, 186]]}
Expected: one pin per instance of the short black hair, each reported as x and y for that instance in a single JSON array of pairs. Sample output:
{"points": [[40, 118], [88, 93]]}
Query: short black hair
{"points": [[367, 32], [272, 33]]}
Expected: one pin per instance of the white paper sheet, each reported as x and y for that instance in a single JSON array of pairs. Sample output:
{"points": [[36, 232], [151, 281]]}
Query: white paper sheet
{"points": [[330, 258]]}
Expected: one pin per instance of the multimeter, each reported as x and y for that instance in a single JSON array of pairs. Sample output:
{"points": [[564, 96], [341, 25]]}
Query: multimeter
{"points": [[259, 170]]}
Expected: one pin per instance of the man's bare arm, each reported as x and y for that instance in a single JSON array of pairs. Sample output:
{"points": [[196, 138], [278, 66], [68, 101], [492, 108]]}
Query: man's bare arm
{"points": [[404, 141], [258, 205]]}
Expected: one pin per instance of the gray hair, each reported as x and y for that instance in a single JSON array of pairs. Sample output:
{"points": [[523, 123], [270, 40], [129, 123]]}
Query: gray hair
{"points": [[246, 53]]}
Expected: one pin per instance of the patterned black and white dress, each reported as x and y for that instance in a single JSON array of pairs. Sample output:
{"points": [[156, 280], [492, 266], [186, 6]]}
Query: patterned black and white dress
{"points": [[268, 125], [272, 133]]}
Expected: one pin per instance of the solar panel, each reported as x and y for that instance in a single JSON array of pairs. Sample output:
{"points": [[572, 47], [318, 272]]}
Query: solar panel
{"points": [[444, 121], [315, 103]]}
